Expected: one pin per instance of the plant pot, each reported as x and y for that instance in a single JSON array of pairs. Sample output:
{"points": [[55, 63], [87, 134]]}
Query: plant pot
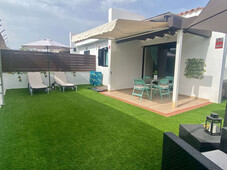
{"points": [[155, 77]]}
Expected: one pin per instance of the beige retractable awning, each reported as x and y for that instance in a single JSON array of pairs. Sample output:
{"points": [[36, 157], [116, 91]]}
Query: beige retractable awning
{"points": [[120, 28]]}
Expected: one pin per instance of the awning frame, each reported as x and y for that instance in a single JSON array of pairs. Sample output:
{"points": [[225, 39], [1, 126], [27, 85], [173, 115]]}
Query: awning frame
{"points": [[174, 23]]}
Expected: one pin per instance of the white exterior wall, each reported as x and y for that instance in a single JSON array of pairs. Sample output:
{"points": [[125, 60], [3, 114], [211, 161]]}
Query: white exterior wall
{"points": [[225, 71], [121, 14], [126, 61], [126, 64], [94, 44], [11, 81], [198, 47], [94, 47]]}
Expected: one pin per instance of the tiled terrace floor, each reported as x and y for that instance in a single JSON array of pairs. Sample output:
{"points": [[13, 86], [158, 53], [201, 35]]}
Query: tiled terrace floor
{"points": [[164, 108]]}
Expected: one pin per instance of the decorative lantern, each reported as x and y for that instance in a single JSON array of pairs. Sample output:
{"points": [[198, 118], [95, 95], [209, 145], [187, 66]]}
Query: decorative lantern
{"points": [[213, 124]]}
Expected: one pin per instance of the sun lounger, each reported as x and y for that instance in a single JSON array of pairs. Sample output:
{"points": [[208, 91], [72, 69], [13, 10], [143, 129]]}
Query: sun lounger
{"points": [[61, 81], [35, 82]]}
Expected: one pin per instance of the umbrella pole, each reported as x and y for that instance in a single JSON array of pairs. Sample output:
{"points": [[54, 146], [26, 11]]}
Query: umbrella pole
{"points": [[48, 62]]}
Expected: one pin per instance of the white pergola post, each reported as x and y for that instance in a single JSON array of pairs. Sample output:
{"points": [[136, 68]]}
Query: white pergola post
{"points": [[177, 68]]}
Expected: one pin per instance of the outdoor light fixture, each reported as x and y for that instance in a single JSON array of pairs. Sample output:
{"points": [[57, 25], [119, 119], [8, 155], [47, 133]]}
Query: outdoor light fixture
{"points": [[213, 124]]}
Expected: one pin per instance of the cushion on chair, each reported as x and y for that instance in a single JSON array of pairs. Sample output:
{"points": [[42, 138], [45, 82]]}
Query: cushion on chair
{"points": [[164, 86], [140, 87], [218, 157]]}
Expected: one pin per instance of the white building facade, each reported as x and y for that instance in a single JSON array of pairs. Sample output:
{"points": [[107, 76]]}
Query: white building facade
{"points": [[94, 45], [127, 60]]}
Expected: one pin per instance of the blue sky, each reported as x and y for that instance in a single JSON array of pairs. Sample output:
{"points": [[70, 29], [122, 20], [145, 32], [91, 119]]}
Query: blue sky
{"points": [[31, 20]]}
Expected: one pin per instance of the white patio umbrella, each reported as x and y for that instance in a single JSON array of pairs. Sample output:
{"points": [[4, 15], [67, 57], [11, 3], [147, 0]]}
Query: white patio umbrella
{"points": [[48, 45]]}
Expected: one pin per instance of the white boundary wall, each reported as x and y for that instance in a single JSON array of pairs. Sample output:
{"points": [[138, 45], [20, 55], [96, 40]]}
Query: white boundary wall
{"points": [[11, 81]]}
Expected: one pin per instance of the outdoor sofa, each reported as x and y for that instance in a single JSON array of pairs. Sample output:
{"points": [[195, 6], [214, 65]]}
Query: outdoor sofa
{"points": [[178, 154]]}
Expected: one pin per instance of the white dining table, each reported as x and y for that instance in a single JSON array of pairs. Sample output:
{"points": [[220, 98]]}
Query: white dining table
{"points": [[151, 86]]}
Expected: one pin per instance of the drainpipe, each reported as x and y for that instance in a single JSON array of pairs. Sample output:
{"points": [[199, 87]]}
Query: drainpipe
{"points": [[177, 68]]}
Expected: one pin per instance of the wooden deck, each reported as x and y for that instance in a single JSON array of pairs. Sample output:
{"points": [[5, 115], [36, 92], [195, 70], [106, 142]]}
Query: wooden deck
{"points": [[164, 108]]}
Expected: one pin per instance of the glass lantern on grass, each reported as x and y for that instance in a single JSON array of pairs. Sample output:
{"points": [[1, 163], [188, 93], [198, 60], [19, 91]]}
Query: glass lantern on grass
{"points": [[213, 124]]}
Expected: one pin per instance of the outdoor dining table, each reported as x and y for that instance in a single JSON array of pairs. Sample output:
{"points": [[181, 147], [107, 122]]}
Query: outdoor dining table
{"points": [[152, 85]]}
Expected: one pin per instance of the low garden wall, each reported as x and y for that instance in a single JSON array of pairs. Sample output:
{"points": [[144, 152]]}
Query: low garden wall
{"points": [[14, 80]]}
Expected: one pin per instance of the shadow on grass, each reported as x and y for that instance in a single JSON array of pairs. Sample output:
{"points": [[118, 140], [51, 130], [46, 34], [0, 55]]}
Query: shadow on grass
{"points": [[71, 130]]}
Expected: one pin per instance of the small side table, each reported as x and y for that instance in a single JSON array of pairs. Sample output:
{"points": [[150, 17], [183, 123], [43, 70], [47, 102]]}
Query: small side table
{"points": [[195, 135]]}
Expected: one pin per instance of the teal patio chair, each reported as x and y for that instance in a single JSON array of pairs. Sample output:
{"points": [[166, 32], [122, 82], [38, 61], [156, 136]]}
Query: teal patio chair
{"points": [[163, 88], [171, 80], [139, 88], [147, 79]]}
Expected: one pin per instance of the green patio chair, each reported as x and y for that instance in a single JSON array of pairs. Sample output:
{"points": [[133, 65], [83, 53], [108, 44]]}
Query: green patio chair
{"points": [[163, 88], [171, 80], [147, 79], [139, 88]]}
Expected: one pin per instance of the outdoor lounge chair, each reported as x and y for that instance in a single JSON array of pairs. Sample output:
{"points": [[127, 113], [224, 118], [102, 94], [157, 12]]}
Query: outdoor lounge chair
{"points": [[61, 81], [35, 82]]}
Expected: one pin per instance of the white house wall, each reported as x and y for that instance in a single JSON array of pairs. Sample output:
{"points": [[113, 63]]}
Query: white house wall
{"points": [[126, 64], [126, 61], [225, 71], [94, 44], [94, 47], [122, 14], [198, 47]]}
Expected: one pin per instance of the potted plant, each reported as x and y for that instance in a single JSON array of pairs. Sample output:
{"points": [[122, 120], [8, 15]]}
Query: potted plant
{"points": [[155, 73]]}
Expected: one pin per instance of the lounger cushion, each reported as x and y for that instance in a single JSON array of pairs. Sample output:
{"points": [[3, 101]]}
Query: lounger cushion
{"points": [[60, 78], [35, 80], [38, 86]]}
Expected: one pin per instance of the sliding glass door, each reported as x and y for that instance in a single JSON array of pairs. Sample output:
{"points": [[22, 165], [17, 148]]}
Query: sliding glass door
{"points": [[159, 59]]}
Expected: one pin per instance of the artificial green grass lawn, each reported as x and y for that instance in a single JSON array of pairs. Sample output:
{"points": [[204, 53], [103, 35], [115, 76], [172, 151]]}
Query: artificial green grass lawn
{"points": [[84, 130]]}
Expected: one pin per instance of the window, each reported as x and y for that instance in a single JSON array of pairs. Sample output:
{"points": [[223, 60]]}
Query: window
{"points": [[87, 52], [103, 57]]}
